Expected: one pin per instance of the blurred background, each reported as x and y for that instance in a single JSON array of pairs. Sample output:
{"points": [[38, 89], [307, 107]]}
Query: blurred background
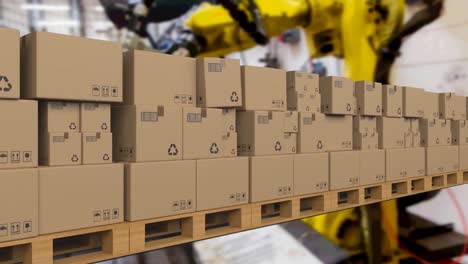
{"points": [[432, 54]]}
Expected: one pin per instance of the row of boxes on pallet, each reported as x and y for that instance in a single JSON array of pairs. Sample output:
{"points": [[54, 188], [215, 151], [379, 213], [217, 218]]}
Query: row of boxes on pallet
{"points": [[55, 199]]}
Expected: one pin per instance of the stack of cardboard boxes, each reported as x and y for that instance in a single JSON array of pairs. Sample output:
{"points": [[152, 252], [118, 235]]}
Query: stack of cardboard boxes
{"points": [[79, 187], [177, 134], [18, 147]]}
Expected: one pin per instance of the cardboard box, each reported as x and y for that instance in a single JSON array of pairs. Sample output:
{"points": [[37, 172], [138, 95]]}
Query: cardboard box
{"points": [[222, 182], [10, 63], [407, 133], [432, 105], [365, 140], [18, 133], [371, 166], [392, 101], [415, 133], [291, 122], [59, 117], [265, 133], [391, 132], [311, 173], [442, 159], [460, 108], [263, 88], [204, 134], [337, 96], [95, 117], [152, 78], [364, 124], [60, 149], [404, 163], [271, 177], [459, 132], [175, 182], [414, 101], [78, 197], [435, 132], [463, 157], [369, 98], [320, 133], [147, 133], [64, 67], [96, 148], [218, 82], [303, 92], [19, 198], [344, 169]]}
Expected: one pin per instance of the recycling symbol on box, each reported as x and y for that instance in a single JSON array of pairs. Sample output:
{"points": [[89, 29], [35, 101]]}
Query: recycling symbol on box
{"points": [[319, 145], [399, 110], [234, 97], [72, 126], [105, 157], [214, 148], [278, 146], [173, 151], [378, 109], [437, 141], [5, 84], [104, 126], [348, 107], [74, 158]]}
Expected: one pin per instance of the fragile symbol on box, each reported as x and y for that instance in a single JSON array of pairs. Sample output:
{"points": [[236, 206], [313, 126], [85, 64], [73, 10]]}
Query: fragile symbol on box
{"points": [[15, 228], [97, 216], [115, 213], [27, 227], [3, 230], [5, 84]]}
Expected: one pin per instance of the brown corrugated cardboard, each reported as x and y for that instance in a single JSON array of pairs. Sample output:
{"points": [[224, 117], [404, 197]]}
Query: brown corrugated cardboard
{"points": [[204, 134], [152, 78], [303, 92], [59, 117], [19, 198], [432, 109], [96, 148], [310, 173], [392, 101], [19, 134], [459, 132], [442, 159], [371, 166], [404, 162], [369, 98], [435, 132], [337, 95], [460, 108], [175, 182], [10, 65], [64, 67], [463, 157], [59, 149], [364, 123], [415, 133], [218, 82], [147, 133], [222, 182], [264, 133], [319, 133], [365, 140], [80, 196], [447, 105], [95, 117], [344, 169], [391, 132], [271, 177], [414, 101], [407, 133], [291, 122], [263, 88]]}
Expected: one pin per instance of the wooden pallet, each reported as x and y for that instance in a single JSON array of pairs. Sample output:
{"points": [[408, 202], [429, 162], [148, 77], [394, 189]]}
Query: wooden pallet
{"points": [[163, 232], [80, 246], [112, 241]]}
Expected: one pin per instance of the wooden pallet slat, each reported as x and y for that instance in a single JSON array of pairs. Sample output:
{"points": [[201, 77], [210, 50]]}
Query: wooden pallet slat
{"points": [[274, 211]]}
